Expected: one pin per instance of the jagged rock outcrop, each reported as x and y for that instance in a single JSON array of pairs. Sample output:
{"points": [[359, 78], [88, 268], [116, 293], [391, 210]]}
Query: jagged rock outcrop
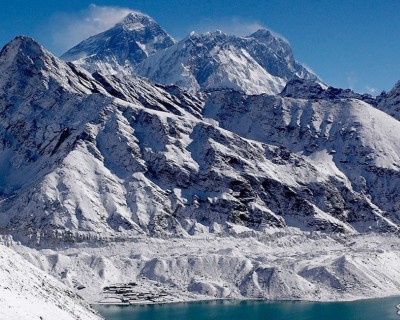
{"points": [[308, 89], [389, 102], [346, 136]]}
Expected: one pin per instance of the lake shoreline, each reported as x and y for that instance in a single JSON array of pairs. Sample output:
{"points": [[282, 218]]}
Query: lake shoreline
{"points": [[292, 267], [233, 309], [149, 303]]}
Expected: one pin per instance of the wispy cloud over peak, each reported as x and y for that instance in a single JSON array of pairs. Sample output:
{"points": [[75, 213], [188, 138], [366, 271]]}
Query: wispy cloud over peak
{"points": [[68, 29], [370, 90], [351, 80]]}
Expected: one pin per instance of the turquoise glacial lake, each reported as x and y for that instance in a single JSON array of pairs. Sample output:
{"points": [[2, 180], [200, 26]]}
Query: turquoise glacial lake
{"points": [[374, 309]]}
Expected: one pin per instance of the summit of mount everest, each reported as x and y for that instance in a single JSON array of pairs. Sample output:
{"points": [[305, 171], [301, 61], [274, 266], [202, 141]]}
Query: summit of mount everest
{"points": [[212, 167], [120, 48]]}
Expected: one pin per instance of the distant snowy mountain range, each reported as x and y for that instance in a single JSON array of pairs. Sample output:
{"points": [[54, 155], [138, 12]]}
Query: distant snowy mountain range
{"points": [[259, 63], [228, 138]]}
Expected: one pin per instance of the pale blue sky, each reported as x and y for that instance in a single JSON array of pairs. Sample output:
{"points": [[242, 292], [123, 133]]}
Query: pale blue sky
{"points": [[347, 43]]}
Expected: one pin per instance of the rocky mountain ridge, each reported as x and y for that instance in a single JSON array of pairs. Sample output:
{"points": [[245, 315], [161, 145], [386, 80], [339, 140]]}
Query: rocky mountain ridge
{"points": [[113, 156], [259, 63], [109, 179]]}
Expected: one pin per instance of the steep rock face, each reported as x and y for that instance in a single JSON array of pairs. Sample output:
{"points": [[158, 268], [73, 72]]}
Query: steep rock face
{"points": [[51, 131], [106, 156], [36, 86], [259, 63], [118, 49], [342, 135], [389, 102], [308, 89], [28, 293]]}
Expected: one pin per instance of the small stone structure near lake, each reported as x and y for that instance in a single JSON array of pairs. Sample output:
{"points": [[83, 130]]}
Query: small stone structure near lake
{"points": [[132, 293]]}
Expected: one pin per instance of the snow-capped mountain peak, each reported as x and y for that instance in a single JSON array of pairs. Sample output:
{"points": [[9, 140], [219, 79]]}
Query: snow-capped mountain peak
{"points": [[267, 36], [137, 22], [262, 62], [98, 158], [149, 140], [23, 41], [146, 32], [137, 17], [278, 44], [259, 63], [18, 48], [118, 49], [26, 66], [263, 33]]}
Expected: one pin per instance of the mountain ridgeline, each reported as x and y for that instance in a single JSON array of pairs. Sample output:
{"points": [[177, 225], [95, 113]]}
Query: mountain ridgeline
{"points": [[259, 63], [102, 153]]}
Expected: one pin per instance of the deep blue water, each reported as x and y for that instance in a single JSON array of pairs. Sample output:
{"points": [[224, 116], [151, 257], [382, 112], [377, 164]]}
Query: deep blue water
{"points": [[375, 309]]}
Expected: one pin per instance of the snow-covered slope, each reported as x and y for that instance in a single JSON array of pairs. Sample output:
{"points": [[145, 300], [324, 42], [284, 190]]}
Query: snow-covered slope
{"points": [[28, 293], [337, 133], [97, 169], [58, 123], [96, 156], [259, 63], [118, 49], [275, 265]]}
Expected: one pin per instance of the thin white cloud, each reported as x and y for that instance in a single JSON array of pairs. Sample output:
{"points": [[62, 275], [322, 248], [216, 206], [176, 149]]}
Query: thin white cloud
{"points": [[68, 29], [351, 80], [309, 69], [370, 90]]}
